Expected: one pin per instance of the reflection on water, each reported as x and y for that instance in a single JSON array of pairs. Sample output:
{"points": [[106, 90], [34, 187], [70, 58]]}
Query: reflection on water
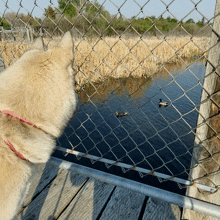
{"points": [[99, 92], [159, 139], [135, 86]]}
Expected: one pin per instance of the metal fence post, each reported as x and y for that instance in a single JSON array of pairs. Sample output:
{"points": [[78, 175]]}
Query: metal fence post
{"points": [[2, 66], [28, 34], [207, 143], [2, 34]]}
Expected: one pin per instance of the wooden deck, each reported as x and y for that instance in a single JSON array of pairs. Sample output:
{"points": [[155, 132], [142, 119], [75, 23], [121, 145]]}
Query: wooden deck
{"points": [[60, 194]]}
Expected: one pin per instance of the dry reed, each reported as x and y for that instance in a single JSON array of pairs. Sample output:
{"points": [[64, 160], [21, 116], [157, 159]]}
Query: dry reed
{"points": [[96, 59]]}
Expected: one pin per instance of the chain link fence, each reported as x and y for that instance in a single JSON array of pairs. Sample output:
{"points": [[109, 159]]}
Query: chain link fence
{"points": [[148, 85]]}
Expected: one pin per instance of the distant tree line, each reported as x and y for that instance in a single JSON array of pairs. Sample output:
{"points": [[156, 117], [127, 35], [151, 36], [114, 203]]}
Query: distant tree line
{"points": [[92, 19]]}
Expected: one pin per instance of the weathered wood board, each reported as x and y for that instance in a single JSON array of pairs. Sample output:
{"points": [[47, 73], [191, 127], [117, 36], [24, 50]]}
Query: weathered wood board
{"points": [[159, 210], [64, 195], [124, 205], [54, 198], [45, 173], [60, 194], [89, 201], [207, 156]]}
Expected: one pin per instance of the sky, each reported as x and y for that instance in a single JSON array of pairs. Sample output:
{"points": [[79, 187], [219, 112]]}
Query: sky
{"points": [[178, 8]]}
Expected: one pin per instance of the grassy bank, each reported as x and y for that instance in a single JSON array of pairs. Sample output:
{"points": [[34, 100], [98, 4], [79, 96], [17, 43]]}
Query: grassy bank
{"points": [[96, 59]]}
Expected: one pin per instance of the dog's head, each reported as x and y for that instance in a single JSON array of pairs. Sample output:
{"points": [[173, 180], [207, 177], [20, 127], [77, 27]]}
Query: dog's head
{"points": [[40, 86]]}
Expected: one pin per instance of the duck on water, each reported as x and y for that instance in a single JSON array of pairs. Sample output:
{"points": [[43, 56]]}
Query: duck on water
{"points": [[118, 114], [161, 103]]}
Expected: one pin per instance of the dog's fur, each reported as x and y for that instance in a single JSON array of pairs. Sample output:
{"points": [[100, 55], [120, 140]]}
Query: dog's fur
{"points": [[38, 87]]}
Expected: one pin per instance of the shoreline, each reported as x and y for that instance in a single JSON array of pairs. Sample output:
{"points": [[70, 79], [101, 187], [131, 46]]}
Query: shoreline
{"points": [[96, 60], [104, 88]]}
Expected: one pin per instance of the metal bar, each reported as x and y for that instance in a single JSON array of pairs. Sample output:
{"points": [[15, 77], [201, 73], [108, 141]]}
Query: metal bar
{"points": [[179, 200], [139, 169], [14, 31]]}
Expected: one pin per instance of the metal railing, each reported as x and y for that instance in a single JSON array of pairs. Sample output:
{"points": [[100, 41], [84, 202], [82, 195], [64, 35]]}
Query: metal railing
{"points": [[123, 67]]}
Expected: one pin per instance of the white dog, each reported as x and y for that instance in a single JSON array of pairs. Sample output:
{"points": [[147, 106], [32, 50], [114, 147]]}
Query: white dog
{"points": [[37, 99]]}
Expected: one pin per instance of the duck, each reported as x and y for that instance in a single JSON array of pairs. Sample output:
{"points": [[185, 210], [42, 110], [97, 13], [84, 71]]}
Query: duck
{"points": [[120, 114], [161, 103]]}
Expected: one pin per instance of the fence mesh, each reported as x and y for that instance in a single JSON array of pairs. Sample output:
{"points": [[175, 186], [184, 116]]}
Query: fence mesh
{"points": [[127, 68]]}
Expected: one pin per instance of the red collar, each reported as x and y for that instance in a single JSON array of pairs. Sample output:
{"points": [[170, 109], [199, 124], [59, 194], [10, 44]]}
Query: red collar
{"points": [[13, 149], [23, 120], [15, 116]]}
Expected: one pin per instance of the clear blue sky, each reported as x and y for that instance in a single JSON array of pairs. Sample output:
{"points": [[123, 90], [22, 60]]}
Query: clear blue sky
{"points": [[179, 8]]}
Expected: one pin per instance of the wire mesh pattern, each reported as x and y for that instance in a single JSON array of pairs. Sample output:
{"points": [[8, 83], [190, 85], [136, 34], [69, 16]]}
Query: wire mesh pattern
{"points": [[125, 75]]}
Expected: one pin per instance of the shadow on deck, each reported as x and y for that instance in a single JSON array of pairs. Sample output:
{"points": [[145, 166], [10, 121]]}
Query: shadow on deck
{"points": [[61, 194]]}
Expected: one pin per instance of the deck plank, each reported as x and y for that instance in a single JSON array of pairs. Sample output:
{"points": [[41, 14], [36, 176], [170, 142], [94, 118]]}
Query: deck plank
{"points": [[89, 202], [61, 194], [124, 205], [45, 173], [159, 210], [54, 198]]}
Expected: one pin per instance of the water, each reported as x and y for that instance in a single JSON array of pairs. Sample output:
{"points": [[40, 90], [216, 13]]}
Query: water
{"points": [[159, 139]]}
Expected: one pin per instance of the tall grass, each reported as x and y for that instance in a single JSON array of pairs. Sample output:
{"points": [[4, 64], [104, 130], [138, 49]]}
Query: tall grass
{"points": [[96, 59]]}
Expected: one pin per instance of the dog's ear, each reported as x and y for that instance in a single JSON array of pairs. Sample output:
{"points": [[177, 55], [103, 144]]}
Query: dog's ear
{"points": [[64, 50], [66, 41], [38, 44]]}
